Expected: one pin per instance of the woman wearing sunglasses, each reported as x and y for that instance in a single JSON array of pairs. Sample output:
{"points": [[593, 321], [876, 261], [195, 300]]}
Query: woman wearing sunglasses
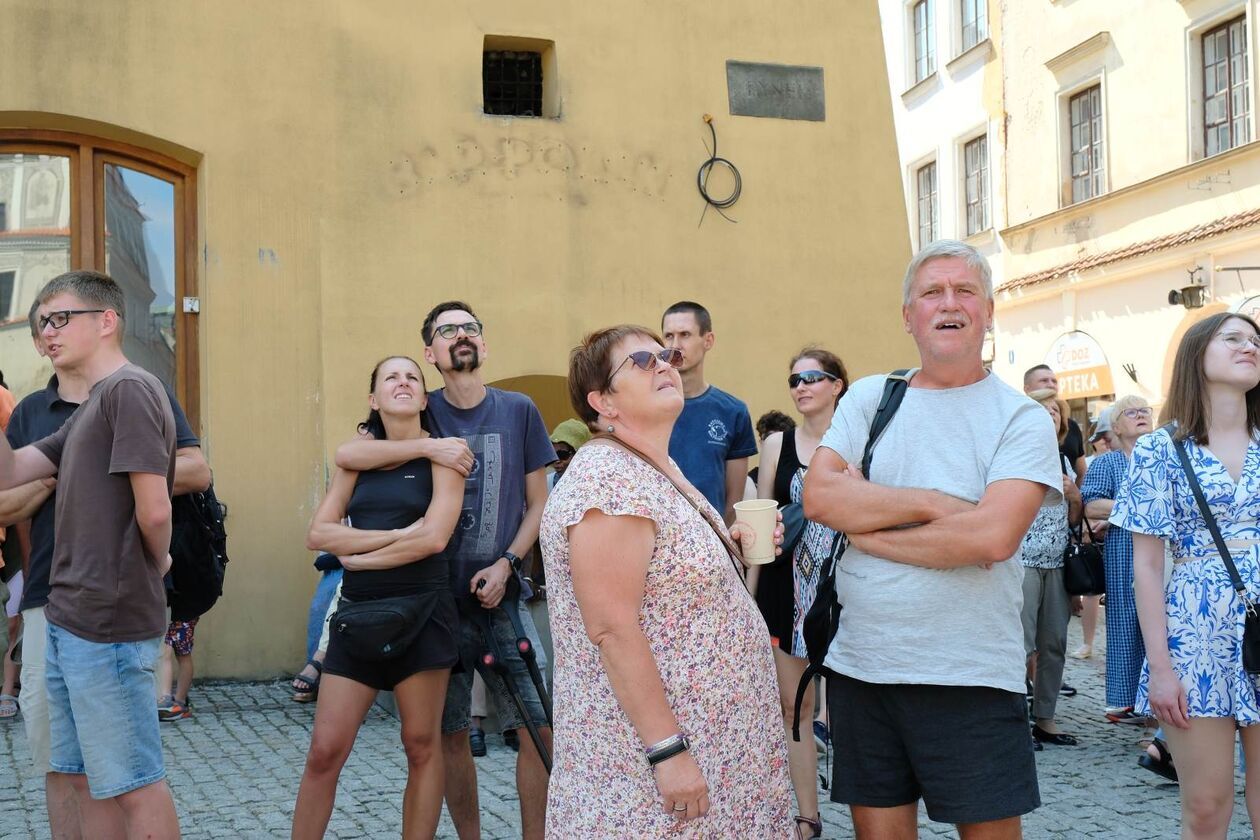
{"points": [[666, 717], [785, 589], [1195, 680], [1130, 419], [390, 527]]}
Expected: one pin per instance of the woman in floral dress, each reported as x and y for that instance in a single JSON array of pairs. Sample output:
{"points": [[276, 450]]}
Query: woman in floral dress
{"points": [[1194, 680], [655, 635]]}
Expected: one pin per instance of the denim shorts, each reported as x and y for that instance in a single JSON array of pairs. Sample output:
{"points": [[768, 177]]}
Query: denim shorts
{"points": [[455, 716], [101, 715]]}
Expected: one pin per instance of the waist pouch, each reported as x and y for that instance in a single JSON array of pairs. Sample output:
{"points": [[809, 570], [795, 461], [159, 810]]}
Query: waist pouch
{"points": [[381, 629]]}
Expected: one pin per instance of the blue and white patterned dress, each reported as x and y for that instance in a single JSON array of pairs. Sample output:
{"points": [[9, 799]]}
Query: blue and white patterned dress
{"points": [[1204, 613], [1125, 651]]}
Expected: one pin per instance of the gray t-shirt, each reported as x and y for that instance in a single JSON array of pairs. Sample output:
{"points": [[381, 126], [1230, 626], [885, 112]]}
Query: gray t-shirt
{"points": [[907, 624]]}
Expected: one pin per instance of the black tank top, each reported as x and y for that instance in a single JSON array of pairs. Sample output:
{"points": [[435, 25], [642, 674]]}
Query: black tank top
{"points": [[789, 463], [384, 500]]}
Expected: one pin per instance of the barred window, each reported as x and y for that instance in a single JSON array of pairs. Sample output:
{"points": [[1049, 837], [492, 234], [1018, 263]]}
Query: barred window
{"points": [[512, 83]]}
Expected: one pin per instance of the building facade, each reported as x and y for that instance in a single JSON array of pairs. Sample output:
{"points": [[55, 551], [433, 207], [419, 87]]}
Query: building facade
{"points": [[1124, 180], [288, 187], [1133, 187], [945, 74]]}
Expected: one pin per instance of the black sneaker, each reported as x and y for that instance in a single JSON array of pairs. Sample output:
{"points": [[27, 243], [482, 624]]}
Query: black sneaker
{"points": [[1067, 690], [477, 742], [512, 740]]}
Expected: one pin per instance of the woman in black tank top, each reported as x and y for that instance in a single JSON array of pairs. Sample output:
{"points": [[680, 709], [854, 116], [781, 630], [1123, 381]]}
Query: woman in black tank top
{"points": [[785, 589], [390, 528]]}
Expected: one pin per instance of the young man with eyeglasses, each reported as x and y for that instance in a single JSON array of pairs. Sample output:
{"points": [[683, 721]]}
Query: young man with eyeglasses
{"points": [[30, 508], [106, 613], [503, 502], [713, 437]]}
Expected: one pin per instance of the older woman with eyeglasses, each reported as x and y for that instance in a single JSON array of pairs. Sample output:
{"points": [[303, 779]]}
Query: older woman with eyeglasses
{"points": [[666, 711], [1131, 417]]}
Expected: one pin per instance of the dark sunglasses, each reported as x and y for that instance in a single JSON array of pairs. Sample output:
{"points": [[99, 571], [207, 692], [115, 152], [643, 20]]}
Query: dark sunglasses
{"points": [[647, 360], [809, 377]]}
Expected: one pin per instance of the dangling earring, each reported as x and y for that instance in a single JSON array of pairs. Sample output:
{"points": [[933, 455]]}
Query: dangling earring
{"points": [[610, 428]]}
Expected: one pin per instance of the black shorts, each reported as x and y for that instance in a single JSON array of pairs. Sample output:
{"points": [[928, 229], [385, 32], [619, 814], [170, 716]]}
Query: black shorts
{"points": [[966, 751], [436, 647]]}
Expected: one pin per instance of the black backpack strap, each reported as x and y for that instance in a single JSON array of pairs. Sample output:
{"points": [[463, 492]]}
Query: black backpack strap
{"points": [[894, 391], [1208, 517]]}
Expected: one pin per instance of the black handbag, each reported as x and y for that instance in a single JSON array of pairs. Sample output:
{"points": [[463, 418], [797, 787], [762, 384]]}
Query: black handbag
{"points": [[381, 629], [1083, 569], [1251, 623]]}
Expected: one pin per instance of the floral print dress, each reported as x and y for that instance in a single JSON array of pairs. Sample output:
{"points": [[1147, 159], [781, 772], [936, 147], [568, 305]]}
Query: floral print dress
{"points": [[1204, 612], [713, 652]]}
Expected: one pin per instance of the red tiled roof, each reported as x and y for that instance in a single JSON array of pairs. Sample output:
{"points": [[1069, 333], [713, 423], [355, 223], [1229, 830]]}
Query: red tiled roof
{"points": [[1206, 230]]}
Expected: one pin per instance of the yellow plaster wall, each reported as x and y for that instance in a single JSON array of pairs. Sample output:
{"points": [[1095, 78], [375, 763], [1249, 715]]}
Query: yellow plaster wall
{"points": [[348, 180]]}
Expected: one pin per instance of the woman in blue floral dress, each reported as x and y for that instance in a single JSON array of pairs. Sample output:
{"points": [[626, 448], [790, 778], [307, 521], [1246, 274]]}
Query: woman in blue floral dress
{"points": [[1194, 680], [1130, 419]]}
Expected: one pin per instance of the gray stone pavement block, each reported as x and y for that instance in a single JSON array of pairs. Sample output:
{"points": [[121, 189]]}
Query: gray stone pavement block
{"points": [[235, 766]]}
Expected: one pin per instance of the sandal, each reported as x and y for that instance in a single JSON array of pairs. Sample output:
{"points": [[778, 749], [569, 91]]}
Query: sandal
{"points": [[1162, 766], [8, 706], [306, 689], [814, 827]]}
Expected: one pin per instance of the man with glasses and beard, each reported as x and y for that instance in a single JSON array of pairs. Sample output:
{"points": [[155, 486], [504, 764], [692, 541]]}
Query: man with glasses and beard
{"points": [[503, 503]]}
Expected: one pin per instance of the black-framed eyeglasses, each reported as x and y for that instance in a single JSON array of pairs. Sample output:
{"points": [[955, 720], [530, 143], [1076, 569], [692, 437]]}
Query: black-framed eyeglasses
{"points": [[472, 329], [58, 320], [648, 359], [809, 377]]}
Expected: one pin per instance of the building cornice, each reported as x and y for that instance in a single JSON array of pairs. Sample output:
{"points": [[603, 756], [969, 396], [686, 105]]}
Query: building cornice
{"points": [[980, 52], [919, 88], [1084, 49], [1093, 203]]}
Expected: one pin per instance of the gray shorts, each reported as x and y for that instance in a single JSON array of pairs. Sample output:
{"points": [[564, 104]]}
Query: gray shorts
{"points": [[455, 716]]}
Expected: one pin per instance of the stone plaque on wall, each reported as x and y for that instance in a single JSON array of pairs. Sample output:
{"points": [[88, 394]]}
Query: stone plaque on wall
{"points": [[782, 91]]}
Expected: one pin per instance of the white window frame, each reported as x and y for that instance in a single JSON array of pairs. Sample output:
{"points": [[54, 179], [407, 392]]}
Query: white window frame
{"points": [[912, 42], [913, 178], [982, 33], [960, 156], [1097, 77], [1195, 142]]}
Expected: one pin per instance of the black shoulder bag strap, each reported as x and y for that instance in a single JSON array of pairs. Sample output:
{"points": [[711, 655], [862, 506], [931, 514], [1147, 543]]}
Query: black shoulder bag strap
{"points": [[1208, 518], [894, 391]]}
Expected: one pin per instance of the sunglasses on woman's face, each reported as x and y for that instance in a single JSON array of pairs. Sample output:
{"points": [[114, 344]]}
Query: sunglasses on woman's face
{"points": [[809, 377], [648, 360]]}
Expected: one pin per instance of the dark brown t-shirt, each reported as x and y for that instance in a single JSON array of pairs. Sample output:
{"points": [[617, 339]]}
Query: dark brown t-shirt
{"points": [[104, 587]]}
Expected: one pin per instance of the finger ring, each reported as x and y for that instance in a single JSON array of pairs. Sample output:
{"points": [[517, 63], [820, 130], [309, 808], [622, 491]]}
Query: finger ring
{"points": [[683, 808]]}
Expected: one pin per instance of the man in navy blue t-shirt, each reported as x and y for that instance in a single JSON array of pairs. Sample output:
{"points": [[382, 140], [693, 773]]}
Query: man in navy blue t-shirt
{"points": [[713, 437]]}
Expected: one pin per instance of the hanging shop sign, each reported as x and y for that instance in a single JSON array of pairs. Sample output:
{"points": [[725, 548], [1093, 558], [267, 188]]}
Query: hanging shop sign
{"points": [[1081, 366]]}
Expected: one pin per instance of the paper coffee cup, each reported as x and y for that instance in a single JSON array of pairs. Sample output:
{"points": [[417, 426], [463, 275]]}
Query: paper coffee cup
{"points": [[762, 515]]}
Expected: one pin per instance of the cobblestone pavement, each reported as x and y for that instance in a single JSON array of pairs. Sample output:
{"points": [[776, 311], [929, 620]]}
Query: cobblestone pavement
{"points": [[235, 768]]}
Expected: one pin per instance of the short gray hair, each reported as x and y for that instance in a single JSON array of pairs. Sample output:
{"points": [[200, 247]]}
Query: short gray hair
{"points": [[940, 249]]}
